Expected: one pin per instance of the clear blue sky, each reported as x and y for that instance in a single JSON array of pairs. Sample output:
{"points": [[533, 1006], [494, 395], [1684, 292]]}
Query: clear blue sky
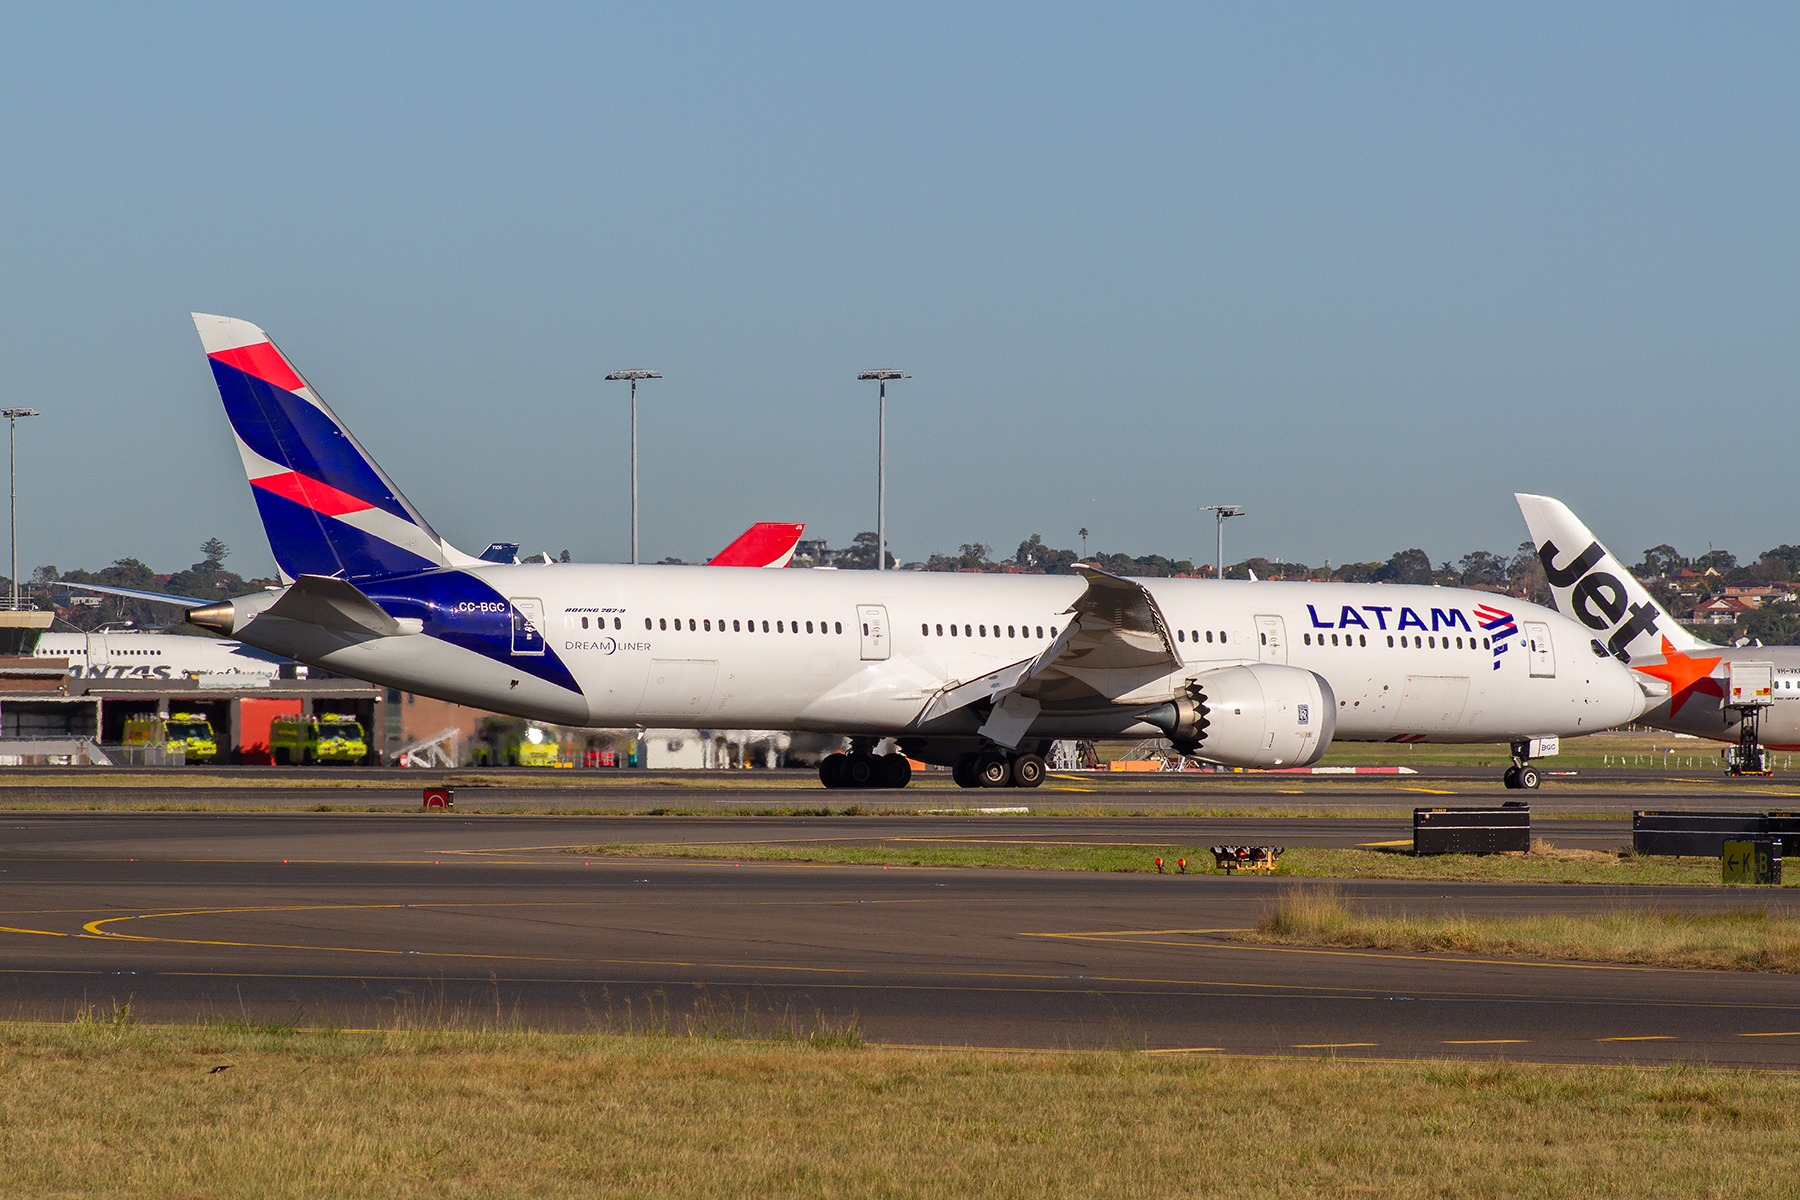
{"points": [[1366, 270]]}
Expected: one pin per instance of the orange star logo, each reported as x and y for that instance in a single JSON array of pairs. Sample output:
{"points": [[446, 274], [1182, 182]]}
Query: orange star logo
{"points": [[1685, 676]]}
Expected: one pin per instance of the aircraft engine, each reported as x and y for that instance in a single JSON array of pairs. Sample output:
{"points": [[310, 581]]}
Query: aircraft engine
{"points": [[1262, 715]]}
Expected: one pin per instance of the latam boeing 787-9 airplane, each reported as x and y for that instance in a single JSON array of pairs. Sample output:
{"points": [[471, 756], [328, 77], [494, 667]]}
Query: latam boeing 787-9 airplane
{"points": [[975, 671]]}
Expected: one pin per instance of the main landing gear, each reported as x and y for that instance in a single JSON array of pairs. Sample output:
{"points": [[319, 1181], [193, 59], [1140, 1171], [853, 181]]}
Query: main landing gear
{"points": [[1521, 774], [995, 768], [863, 768]]}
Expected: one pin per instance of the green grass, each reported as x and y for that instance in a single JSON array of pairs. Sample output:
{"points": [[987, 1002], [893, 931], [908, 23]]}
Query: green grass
{"points": [[1746, 939], [1545, 864], [211, 1113]]}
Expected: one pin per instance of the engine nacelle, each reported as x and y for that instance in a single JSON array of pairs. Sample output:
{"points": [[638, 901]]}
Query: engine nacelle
{"points": [[1261, 715]]}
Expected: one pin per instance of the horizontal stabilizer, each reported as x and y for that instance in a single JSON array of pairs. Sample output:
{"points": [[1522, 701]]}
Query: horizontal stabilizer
{"points": [[335, 604], [152, 597]]}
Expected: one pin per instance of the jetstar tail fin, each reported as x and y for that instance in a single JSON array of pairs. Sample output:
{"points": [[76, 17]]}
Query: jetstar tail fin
{"points": [[1593, 586], [327, 507]]}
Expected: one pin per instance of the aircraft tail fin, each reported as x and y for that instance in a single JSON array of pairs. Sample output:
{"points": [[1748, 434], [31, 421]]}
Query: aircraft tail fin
{"points": [[764, 544], [326, 506], [1593, 586]]}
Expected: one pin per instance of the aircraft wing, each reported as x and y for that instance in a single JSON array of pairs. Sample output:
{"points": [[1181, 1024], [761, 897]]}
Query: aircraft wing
{"points": [[1117, 643], [764, 544]]}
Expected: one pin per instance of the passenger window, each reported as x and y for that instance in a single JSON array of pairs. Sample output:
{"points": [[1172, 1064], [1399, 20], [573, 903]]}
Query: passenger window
{"points": [[692, 627], [1264, 637], [1222, 636], [809, 627], [1361, 640], [1431, 643], [1009, 630], [838, 625], [1181, 635], [1484, 644], [1334, 639], [1390, 641], [925, 630], [618, 624], [953, 631], [1209, 635], [1053, 631], [1306, 638], [647, 624], [734, 627], [584, 622], [765, 627], [1040, 630], [778, 628], [940, 630]]}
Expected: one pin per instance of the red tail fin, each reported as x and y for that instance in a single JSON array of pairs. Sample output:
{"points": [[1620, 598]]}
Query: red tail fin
{"points": [[764, 544]]}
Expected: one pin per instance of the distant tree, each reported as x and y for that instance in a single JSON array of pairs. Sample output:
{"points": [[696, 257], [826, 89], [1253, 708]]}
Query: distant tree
{"points": [[1718, 560], [1660, 561], [1480, 568], [1406, 566], [215, 552], [861, 555], [565, 557], [1083, 535], [1525, 575], [1365, 572]]}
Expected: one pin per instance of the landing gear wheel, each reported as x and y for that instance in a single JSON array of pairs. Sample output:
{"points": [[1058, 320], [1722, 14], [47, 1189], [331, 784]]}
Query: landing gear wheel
{"points": [[1511, 777], [831, 770], [1027, 771], [963, 772], [859, 771], [992, 770], [894, 771], [1528, 777]]}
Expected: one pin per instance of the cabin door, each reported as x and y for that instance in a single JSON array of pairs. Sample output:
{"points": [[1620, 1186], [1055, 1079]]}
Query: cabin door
{"points": [[1271, 639], [527, 625], [873, 621], [1537, 647]]}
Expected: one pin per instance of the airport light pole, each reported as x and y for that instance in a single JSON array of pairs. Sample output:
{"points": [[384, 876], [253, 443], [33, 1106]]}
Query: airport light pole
{"points": [[634, 376], [1222, 512], [882, 376], [12, 416]]}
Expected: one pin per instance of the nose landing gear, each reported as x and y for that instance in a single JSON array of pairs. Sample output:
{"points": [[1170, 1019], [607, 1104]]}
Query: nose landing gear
{"points": [[1521, 774]]}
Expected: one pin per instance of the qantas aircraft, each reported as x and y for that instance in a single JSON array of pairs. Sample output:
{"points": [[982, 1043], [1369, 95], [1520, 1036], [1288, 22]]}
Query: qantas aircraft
{"points": [[973, 671], [1685, 676]]}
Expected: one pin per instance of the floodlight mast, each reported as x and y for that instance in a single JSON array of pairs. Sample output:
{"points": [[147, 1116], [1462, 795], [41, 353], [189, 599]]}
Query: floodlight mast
{"points": [[12, 416], [1222, 512], [882, 376], [634, 376]]}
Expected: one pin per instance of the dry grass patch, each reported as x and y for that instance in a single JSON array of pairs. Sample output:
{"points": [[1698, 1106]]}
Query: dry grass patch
{"points": [[1544, 865], [1746, 939], [151, 1112]]}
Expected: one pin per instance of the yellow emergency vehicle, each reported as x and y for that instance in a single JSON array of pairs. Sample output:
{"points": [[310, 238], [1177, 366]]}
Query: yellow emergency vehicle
{"points": [[189, 732], [325, 738]]}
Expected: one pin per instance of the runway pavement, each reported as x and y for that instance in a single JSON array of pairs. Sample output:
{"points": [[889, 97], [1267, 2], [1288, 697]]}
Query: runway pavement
{"points": [[1599, 792], [368, 919]]}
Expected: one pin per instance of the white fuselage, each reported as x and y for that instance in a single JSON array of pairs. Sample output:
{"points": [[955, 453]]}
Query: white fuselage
{"points": [[154, 655], [864, 653]]}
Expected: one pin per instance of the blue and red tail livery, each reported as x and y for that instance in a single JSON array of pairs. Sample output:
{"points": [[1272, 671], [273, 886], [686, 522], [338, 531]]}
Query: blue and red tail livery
{"points": [[327, 507]]}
